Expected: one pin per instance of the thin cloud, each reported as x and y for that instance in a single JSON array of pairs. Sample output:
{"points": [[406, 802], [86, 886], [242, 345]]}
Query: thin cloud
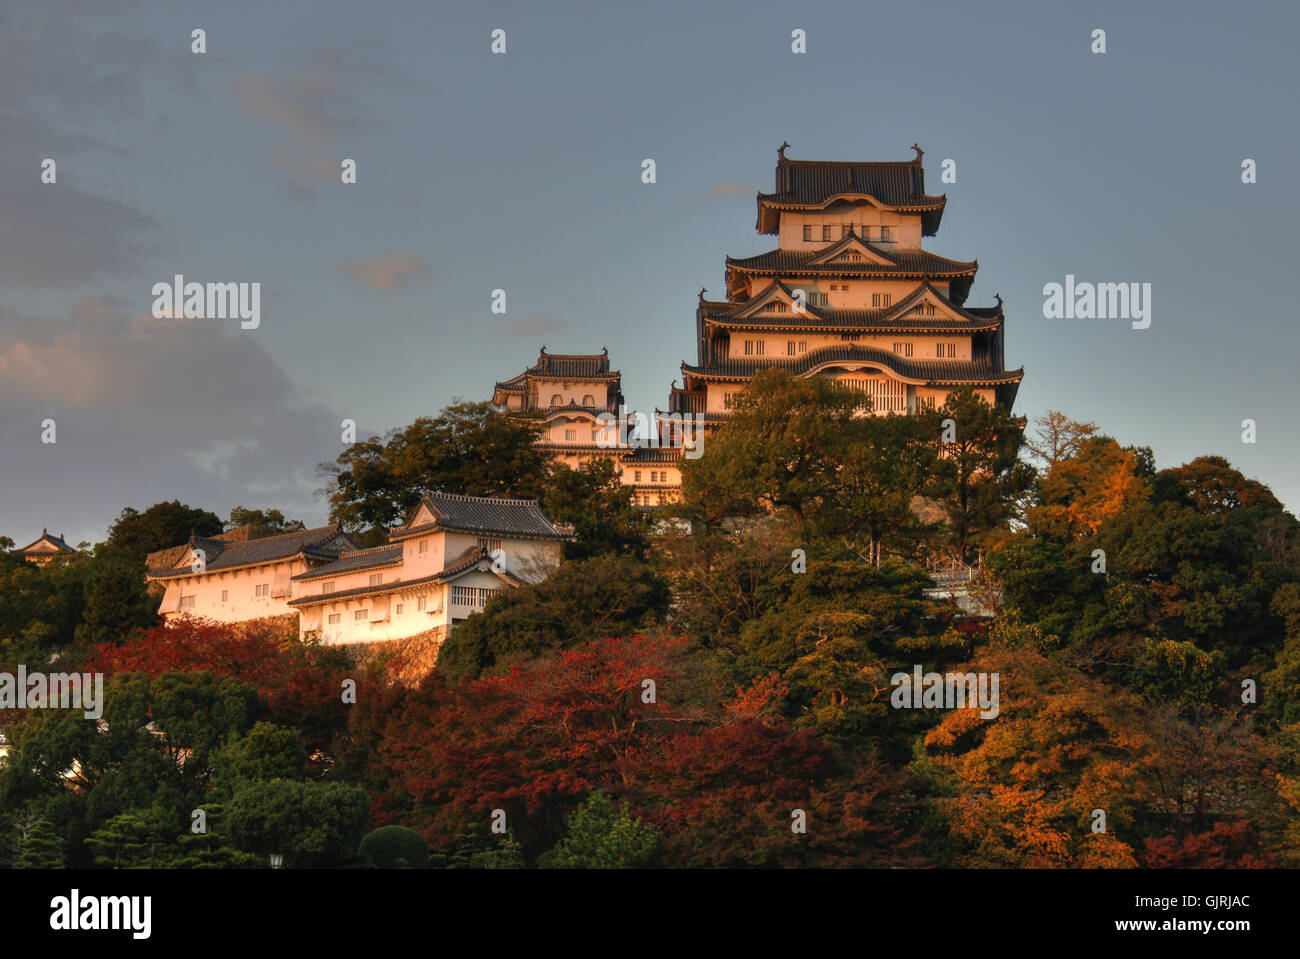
{"points": [[387, 272]]}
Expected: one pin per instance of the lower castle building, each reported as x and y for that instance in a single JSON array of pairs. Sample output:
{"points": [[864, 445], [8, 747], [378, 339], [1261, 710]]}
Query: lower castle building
{"points": [[443, 564]]}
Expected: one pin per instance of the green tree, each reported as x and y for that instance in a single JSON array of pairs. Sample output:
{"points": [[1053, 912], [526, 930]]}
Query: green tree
{"points": [[160, 526], [266, 752], [311, 824], [468, 448], [582, 600], [603, 836], [780, 448], [980, 476], [596, 503], [38, 847], [136, 839], [269, 518], [395, 847]]}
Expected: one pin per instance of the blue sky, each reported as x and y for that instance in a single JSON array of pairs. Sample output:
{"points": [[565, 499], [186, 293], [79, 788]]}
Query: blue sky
{"points": [[522, 171]]}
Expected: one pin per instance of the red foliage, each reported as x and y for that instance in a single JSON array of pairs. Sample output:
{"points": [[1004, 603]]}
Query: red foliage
{"points": [[1229, 845], [301, 683]]}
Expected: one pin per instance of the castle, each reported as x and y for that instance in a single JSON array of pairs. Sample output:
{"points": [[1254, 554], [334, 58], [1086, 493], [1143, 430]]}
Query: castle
{"points": [[848, 293]]}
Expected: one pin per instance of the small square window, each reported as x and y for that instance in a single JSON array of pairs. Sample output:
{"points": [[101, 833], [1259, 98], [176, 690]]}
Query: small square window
{"points": [[424, 546], [376, 579], [400, 609], [807, 232], [826, 232], [361, 614]]}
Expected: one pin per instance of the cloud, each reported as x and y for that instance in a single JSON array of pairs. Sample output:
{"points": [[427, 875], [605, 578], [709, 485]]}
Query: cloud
{"points": [[731, 189], [147, 410], [534, 325], [387, 272]]}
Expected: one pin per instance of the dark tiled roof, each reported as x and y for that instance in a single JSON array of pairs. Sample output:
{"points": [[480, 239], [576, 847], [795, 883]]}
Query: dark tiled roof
{"points": [[577, 365], [56, 545], [894, 317], [811, 183], [910, 262], [933, 371], [352, 560], [485, 514], [267, 549], [651, 454]]}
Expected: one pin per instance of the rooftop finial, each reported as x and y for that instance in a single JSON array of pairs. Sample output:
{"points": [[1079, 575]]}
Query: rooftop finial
{"points": [[919, 152], [998, 297], [780, 151], [703, 290]]}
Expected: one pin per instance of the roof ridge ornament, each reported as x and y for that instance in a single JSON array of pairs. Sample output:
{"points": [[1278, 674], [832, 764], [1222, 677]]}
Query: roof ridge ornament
{"points": [[703, 290], [919, 153], [998, 297], [780, 151]]}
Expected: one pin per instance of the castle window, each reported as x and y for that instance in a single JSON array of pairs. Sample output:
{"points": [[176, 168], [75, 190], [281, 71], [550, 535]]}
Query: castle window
{"points": [[833, 286], [328, 587], [420, 603], [803, 346], [335, 619], [424, 546], [570, 435], [758, 347], [400, 609], [729, 400], [886, 234], [845, 230], [376, 579], [903, 348], [557, 400], [361, 614], [818, 299], [491, 545], [225, 595], [789, 348], [879, 300], [187, 602], [589, 400], [850, 337], [826, 232], [780, 307], [749, 347], [807, 232], [636, 477], [262, 589]]}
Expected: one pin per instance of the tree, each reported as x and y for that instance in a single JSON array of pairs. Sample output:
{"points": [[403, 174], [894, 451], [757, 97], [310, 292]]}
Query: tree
{"points": [[117, 603], [979, 476], [602, 836], [600, 597], [468, 448], [38, 847], [311, 824], [395, 847], [1077, 493], [885, 462], [1058, 438], [270, 519], [266, 752], [780, 448], [1210, 485], [599, 507], [160, 526], [137, 839]]}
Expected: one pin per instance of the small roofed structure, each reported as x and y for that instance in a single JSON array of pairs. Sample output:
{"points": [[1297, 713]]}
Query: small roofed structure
{"points": [[46, 548]]}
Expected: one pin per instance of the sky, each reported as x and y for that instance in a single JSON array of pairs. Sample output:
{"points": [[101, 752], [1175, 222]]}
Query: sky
{"points": [[521, 171]]}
